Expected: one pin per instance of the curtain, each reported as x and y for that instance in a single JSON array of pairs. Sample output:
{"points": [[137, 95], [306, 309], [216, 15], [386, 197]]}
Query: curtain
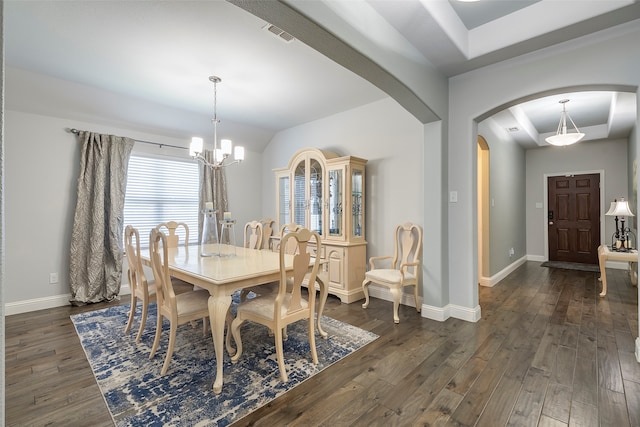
{"points": [[97, 248], [213, 188]]}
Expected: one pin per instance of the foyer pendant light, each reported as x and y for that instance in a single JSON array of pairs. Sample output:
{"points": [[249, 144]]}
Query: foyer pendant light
{"points": [[562, 138]]}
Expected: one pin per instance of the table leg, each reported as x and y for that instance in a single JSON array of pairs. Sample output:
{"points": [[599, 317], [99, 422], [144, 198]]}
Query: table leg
{"points": [[218, 308], [633, 273], [602, 260], [324, 293]]}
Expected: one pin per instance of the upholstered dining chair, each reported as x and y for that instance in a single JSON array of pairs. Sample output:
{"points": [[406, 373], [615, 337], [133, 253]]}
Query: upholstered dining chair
{"points": [[173, 239], [279, 309], [177, 308], [253, 235], [141, 288], [268, 228], [403, 270]]}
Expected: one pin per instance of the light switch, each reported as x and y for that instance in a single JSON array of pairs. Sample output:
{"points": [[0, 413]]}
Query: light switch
{"points": [[453, 196], [538, 205]]}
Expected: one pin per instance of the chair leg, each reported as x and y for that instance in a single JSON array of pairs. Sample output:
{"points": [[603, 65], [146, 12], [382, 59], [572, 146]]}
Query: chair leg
{"points": [[280, 354], [172, 343], [134, 303], [143, 319], [415, 296], [156, 340], [312, 340], [365, 289], [229, 321], [395, 294], [235, 330]]}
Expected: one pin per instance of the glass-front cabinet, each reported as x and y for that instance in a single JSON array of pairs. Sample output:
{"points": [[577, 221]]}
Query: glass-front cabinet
{"points": [[326, 193]]}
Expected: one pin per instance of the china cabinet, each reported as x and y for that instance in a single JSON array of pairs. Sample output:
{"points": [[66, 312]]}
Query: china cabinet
{"points": [[325, 193]]}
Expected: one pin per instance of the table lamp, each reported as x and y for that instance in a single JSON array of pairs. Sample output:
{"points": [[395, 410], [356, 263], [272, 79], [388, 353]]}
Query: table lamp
{"points": [[621, 240]]}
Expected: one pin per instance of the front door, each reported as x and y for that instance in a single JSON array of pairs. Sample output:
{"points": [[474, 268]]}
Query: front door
{"points": [[574, 218]]}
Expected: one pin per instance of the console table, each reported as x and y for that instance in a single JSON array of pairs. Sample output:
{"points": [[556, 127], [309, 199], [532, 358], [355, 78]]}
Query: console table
{"points": [[605, 253]]}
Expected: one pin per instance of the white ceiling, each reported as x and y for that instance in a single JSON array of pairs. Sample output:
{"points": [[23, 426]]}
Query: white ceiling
{"points": [[163, 52]]}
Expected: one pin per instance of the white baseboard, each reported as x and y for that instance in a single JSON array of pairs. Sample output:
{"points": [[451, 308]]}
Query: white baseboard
{"points": [[441, 314], [428, 311], [384, 293], [493, 280], [46, 302], [638, 349]]}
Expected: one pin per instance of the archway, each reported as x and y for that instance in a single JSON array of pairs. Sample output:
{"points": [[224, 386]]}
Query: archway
{"points": [[484, 247]]}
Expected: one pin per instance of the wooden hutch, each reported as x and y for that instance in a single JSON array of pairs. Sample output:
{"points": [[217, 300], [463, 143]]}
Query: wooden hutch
{"points": [[325, 193]]}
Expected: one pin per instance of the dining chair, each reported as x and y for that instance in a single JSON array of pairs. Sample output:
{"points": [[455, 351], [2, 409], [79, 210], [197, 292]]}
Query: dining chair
{"points": [[253, 235], [141, 288], [177, 308], [403, 270], [279, 309], [173, 239], [268, 227]]}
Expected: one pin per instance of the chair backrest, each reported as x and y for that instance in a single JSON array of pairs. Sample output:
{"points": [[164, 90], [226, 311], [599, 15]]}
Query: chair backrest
{"points": [[289, 228], [137, 280], [408, 244], [159, 253], [268, 228], [291, 290], [173, 239], [253, 235]]}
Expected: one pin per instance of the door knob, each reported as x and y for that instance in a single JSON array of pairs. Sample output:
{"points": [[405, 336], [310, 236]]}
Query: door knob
{"points": [[550, 222]]}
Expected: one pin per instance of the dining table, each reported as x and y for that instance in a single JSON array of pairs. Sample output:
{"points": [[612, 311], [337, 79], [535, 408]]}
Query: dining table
{"points": [[224, 275]]}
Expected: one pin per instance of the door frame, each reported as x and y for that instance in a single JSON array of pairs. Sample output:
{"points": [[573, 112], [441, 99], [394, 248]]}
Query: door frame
{"points": [[545, 204]]}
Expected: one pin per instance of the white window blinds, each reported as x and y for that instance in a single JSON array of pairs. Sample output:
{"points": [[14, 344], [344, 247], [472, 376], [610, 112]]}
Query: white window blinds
{"points": [[160, 190]]}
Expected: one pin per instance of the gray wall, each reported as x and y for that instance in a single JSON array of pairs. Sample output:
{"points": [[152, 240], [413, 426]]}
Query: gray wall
{"points": [[507, 197], [394, 172], [42, 162], [610, 157], [474, 94]]}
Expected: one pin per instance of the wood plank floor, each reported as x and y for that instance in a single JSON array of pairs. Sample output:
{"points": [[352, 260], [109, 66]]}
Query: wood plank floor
{"points": [[548, 351]]}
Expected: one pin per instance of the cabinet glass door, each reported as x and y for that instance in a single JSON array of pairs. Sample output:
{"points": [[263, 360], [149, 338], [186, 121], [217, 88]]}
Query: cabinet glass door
{"points": [[284, 200], [299, 197], [335, 202], [357, 209], [315, 196]]}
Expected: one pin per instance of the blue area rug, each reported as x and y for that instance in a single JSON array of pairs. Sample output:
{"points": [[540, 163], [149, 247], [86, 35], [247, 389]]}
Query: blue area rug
{"points": [[137, 395]]}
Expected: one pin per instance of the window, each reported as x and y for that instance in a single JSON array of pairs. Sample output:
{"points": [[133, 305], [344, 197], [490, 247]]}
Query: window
{"points": [[160, 190]]}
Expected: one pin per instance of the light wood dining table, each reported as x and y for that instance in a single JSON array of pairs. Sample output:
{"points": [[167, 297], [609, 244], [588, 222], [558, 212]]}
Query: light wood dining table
{"points": [[222, 276]]}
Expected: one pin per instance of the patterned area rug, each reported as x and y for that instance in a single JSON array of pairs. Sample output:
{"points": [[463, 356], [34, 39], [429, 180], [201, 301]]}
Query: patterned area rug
{"points": [[137, 395], [571, 266]]}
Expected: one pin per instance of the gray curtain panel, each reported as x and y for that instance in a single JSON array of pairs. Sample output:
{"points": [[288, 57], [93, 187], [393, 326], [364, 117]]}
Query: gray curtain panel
{"points": [[97, 248], [213, 188]]}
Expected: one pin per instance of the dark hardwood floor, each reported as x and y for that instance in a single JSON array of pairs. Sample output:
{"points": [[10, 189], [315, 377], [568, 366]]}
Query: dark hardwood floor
{"points": [[548, 351]]}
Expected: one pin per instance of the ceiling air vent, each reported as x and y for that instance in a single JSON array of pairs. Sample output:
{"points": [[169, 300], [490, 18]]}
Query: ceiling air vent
{"points": [[281, 34]]}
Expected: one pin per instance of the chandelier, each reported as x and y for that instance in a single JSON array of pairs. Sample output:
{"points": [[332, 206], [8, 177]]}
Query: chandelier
{"points": [[222, 152], [562, 138]]}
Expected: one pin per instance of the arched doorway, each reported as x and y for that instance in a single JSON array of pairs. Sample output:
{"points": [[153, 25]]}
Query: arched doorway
{"points": [[484, 252]]}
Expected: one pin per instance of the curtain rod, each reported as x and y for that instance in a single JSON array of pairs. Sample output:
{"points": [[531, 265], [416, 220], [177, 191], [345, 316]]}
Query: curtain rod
{"points": [[76, 131]]}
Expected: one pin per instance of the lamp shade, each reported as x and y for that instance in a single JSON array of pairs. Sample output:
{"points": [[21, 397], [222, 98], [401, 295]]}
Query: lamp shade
{"points": [[196, 146], [620, 208], [563, 139]]}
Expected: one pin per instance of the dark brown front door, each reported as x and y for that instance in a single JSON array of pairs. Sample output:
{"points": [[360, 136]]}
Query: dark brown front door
{"points": [[574, 218]]}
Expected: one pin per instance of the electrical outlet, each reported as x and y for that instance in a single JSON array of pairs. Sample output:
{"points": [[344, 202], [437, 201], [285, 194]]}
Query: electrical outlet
{"points": [[511, 252], [53, 278]]}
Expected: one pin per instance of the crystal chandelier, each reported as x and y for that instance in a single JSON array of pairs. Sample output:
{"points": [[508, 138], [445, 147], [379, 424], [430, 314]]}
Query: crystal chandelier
{"points": [[562, 138], [222, 152]]}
